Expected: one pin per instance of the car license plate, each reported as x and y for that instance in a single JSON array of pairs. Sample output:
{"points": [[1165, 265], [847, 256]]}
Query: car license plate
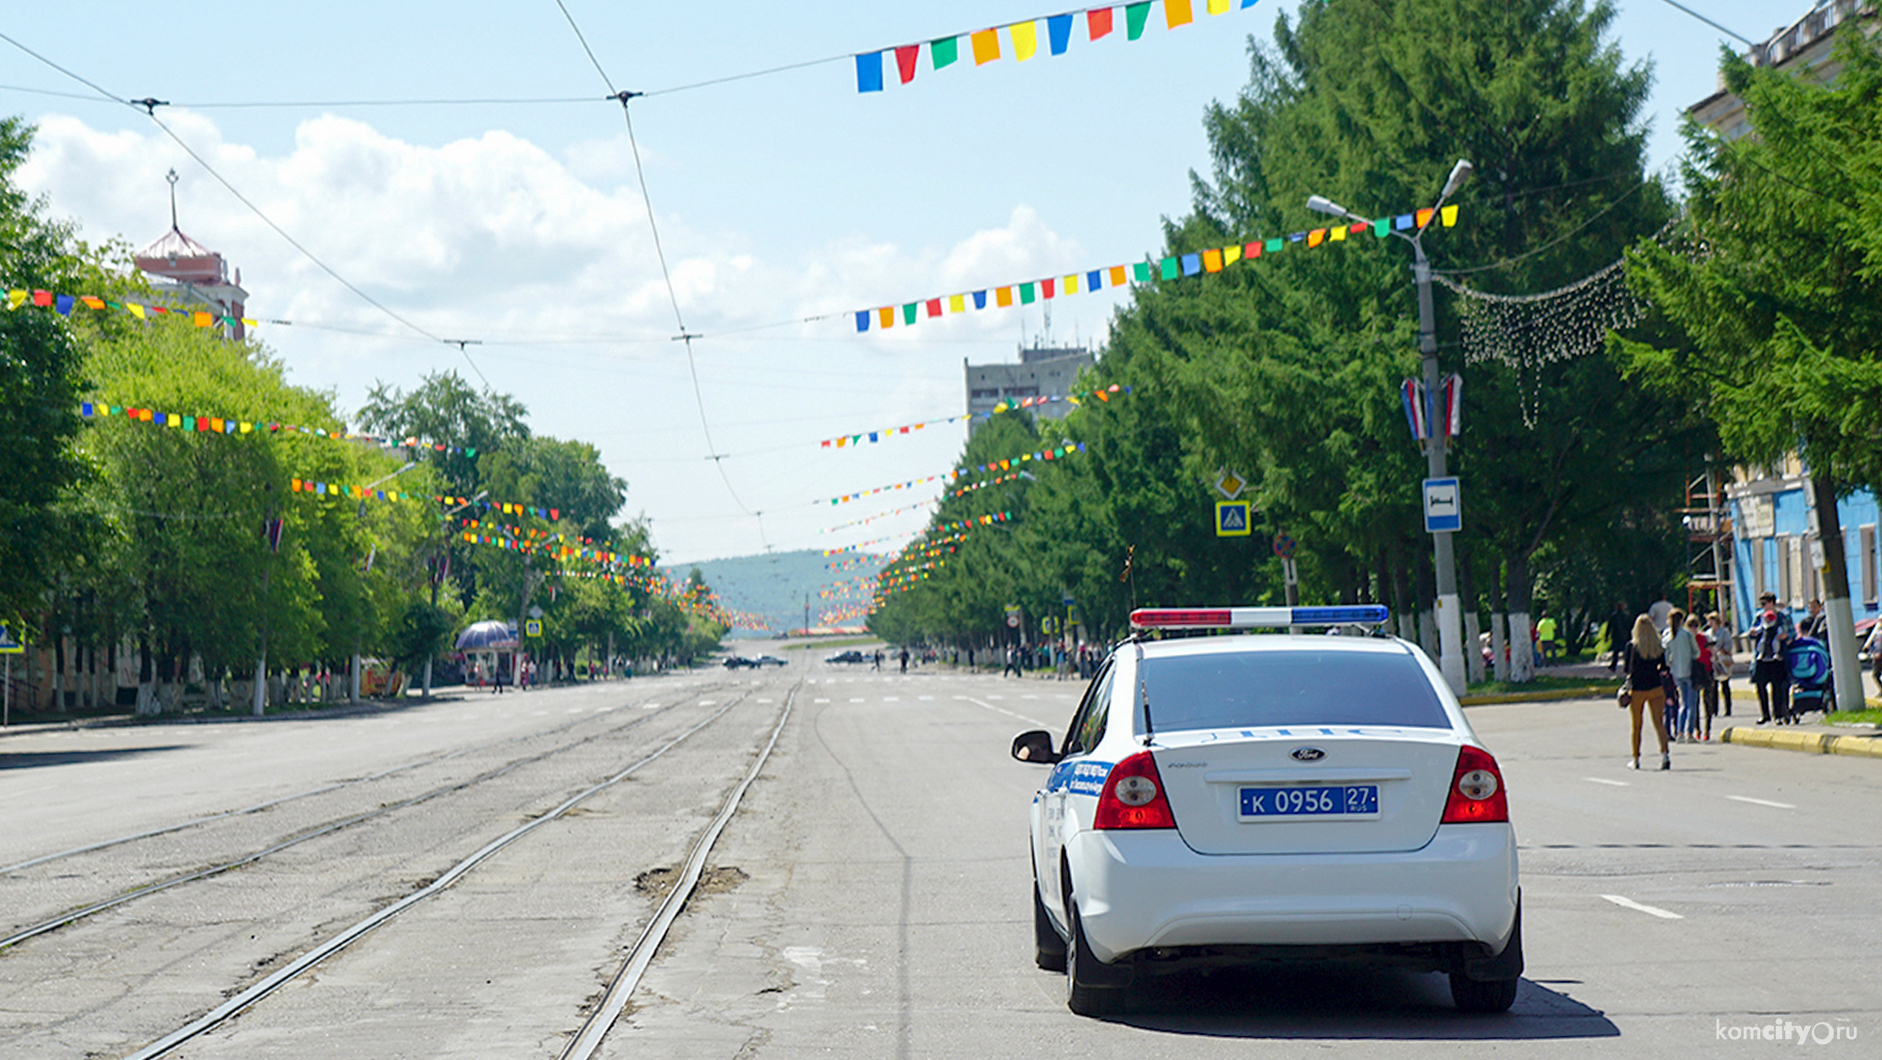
{"points": [[1335, 800]]}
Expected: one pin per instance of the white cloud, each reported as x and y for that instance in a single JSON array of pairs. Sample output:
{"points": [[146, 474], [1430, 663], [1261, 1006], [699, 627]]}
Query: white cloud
{"points": [[493, 237]]}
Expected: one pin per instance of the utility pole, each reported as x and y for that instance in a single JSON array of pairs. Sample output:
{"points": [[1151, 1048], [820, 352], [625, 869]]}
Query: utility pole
{"points": [[1449, 610]]}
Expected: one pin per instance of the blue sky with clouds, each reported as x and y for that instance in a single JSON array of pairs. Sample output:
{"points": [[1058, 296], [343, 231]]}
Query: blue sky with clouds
{"points": [[778, 198]]}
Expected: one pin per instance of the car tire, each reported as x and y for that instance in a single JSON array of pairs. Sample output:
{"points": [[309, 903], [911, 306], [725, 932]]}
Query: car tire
{"points": [[1473, 995], [1089, 990], [1494, 994], [1048, 947]]}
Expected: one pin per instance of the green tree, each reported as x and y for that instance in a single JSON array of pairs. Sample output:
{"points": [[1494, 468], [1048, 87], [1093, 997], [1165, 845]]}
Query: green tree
{"points": [[1775, 286], [39, 395]]}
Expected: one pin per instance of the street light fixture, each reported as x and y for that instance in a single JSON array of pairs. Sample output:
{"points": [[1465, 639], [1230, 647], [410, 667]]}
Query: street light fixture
{"points": [[1449, 613]]}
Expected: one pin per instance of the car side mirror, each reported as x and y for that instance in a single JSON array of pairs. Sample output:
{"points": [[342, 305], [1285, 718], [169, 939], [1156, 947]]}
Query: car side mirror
{"points": [[1035, 746]]}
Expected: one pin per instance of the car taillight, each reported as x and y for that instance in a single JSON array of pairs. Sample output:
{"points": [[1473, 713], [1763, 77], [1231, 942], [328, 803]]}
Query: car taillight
{"points": [[1133, 796], [1477, 793]]}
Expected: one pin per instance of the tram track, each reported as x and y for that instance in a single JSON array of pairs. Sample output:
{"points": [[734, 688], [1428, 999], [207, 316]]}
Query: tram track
{"points": [[132, 893], [269, 804], [584, 1041]]}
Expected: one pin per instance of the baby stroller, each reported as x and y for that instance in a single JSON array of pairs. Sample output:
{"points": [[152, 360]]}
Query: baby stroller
{"points": [[1809, 663]]}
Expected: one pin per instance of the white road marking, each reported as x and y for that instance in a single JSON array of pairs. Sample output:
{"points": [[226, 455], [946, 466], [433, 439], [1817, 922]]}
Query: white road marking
{"points": [[820, 701], [763, 699], [1003, 710], [924, 697], [1761, 802], [856, 699], [573, 710], [1629, 903], [1604, 780], [891, 699]]}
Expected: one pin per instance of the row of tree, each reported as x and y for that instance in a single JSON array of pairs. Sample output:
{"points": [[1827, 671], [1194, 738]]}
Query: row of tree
{"points": [[185, 555], [1576, 448]]}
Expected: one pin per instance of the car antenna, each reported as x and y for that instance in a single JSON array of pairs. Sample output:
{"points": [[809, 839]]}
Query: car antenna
{"points": [[1143, 691]]}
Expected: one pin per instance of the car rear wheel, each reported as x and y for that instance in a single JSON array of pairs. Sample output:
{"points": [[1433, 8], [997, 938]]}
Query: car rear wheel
{"points": [[1498, 993], [1048, 947], [1092, 987], [1471, 995]]}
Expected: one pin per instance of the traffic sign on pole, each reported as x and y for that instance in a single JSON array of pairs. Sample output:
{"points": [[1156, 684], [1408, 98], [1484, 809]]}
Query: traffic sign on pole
{"points": [[1443, 507], [1231, 519]]}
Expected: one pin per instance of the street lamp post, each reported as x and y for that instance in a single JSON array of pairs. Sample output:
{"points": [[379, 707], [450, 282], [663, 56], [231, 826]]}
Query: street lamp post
{"points": [[1450, 613]]}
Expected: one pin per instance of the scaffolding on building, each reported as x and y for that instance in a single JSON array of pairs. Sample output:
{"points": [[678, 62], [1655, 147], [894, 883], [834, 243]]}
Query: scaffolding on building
{"points": [[1709, 564]]}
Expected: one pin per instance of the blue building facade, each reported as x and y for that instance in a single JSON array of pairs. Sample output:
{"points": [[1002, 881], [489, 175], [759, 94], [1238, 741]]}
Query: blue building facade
{"points": [[1775, 544]]}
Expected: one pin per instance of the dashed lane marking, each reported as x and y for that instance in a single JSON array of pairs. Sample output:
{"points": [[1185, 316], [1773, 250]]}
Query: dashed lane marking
{"points": [[1761, 802], [1650, 910], [1604, 780]]}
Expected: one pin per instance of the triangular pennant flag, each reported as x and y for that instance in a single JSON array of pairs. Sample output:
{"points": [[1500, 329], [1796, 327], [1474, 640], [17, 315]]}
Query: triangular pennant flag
{"points": [[1449, 215], [1192, 264], [1424, 216], [1212, 261], [905, 59], [1047, 288], [862, 320], [1098, 22], [1176, 13], [1218, 7]]}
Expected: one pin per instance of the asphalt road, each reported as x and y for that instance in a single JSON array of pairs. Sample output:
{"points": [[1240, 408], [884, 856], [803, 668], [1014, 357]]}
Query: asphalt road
{"points": [[870, 896]]}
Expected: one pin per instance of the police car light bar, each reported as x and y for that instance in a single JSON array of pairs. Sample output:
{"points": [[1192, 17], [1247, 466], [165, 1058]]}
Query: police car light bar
{"points": [[1257, 617]]}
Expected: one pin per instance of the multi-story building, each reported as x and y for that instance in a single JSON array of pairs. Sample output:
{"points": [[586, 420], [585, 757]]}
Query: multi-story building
{"points": [[1762, 524], [1042, 374]]}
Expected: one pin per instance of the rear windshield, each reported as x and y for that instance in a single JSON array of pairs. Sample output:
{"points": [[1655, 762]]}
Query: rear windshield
{"points": [[1226, 690]]}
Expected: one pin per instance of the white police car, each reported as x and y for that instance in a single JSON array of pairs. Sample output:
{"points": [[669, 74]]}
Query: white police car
{"points": [[1238, 798]]}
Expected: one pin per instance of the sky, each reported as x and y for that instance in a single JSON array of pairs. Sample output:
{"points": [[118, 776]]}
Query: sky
{"points": [[780, 203]]}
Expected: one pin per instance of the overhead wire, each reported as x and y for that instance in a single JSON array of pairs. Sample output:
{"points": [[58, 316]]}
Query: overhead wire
{"points": [[149, 106], [640, 178]]}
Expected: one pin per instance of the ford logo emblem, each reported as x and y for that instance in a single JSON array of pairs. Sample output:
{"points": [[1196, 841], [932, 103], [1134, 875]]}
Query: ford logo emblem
{"points": [[1308, 754]]}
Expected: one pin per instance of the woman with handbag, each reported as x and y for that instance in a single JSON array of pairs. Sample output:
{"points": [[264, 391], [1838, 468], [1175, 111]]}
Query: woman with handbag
{"points": [[1644, 662]]}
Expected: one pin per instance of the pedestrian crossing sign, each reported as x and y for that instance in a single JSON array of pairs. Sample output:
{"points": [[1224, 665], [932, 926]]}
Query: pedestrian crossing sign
{"points": [[532, 627], [1231, 519]]}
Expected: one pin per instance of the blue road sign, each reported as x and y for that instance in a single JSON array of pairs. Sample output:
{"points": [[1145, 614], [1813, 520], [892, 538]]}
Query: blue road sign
{"points": [[1444, 508], [1231, 519]]}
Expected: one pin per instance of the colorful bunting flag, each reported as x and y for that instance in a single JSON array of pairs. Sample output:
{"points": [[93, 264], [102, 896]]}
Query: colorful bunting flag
{"points": [[1172, 268], [985, 43]]}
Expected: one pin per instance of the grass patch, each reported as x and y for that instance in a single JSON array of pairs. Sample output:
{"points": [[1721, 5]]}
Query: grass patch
{"points": [[1541, 684], [1872, 716]]}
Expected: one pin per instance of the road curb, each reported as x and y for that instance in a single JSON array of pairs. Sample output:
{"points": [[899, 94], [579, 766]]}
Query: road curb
{"points": [[1822, 743], [1591, 692]]}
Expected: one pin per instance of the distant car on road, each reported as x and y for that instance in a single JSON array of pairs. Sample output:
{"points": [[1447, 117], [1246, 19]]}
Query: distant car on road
{"points": [[738, 662], [768, 660], [851, 656]]}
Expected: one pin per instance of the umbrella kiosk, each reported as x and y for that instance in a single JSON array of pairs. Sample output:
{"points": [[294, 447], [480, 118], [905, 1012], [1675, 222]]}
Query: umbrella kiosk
{"points": [[486, 641]]}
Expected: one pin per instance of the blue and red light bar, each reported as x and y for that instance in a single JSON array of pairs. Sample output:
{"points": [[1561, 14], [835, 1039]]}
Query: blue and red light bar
{"points": [[1258, 617]]}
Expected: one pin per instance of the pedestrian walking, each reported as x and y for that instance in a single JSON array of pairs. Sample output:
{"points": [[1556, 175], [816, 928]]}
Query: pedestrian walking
{"points": [[1616, 630], [1702, 678], [1545, 637], [1769, 673], [1644, 663], [1720, 637], [904, 660], [1874, 647], [876, 660], [1682, 651]]}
